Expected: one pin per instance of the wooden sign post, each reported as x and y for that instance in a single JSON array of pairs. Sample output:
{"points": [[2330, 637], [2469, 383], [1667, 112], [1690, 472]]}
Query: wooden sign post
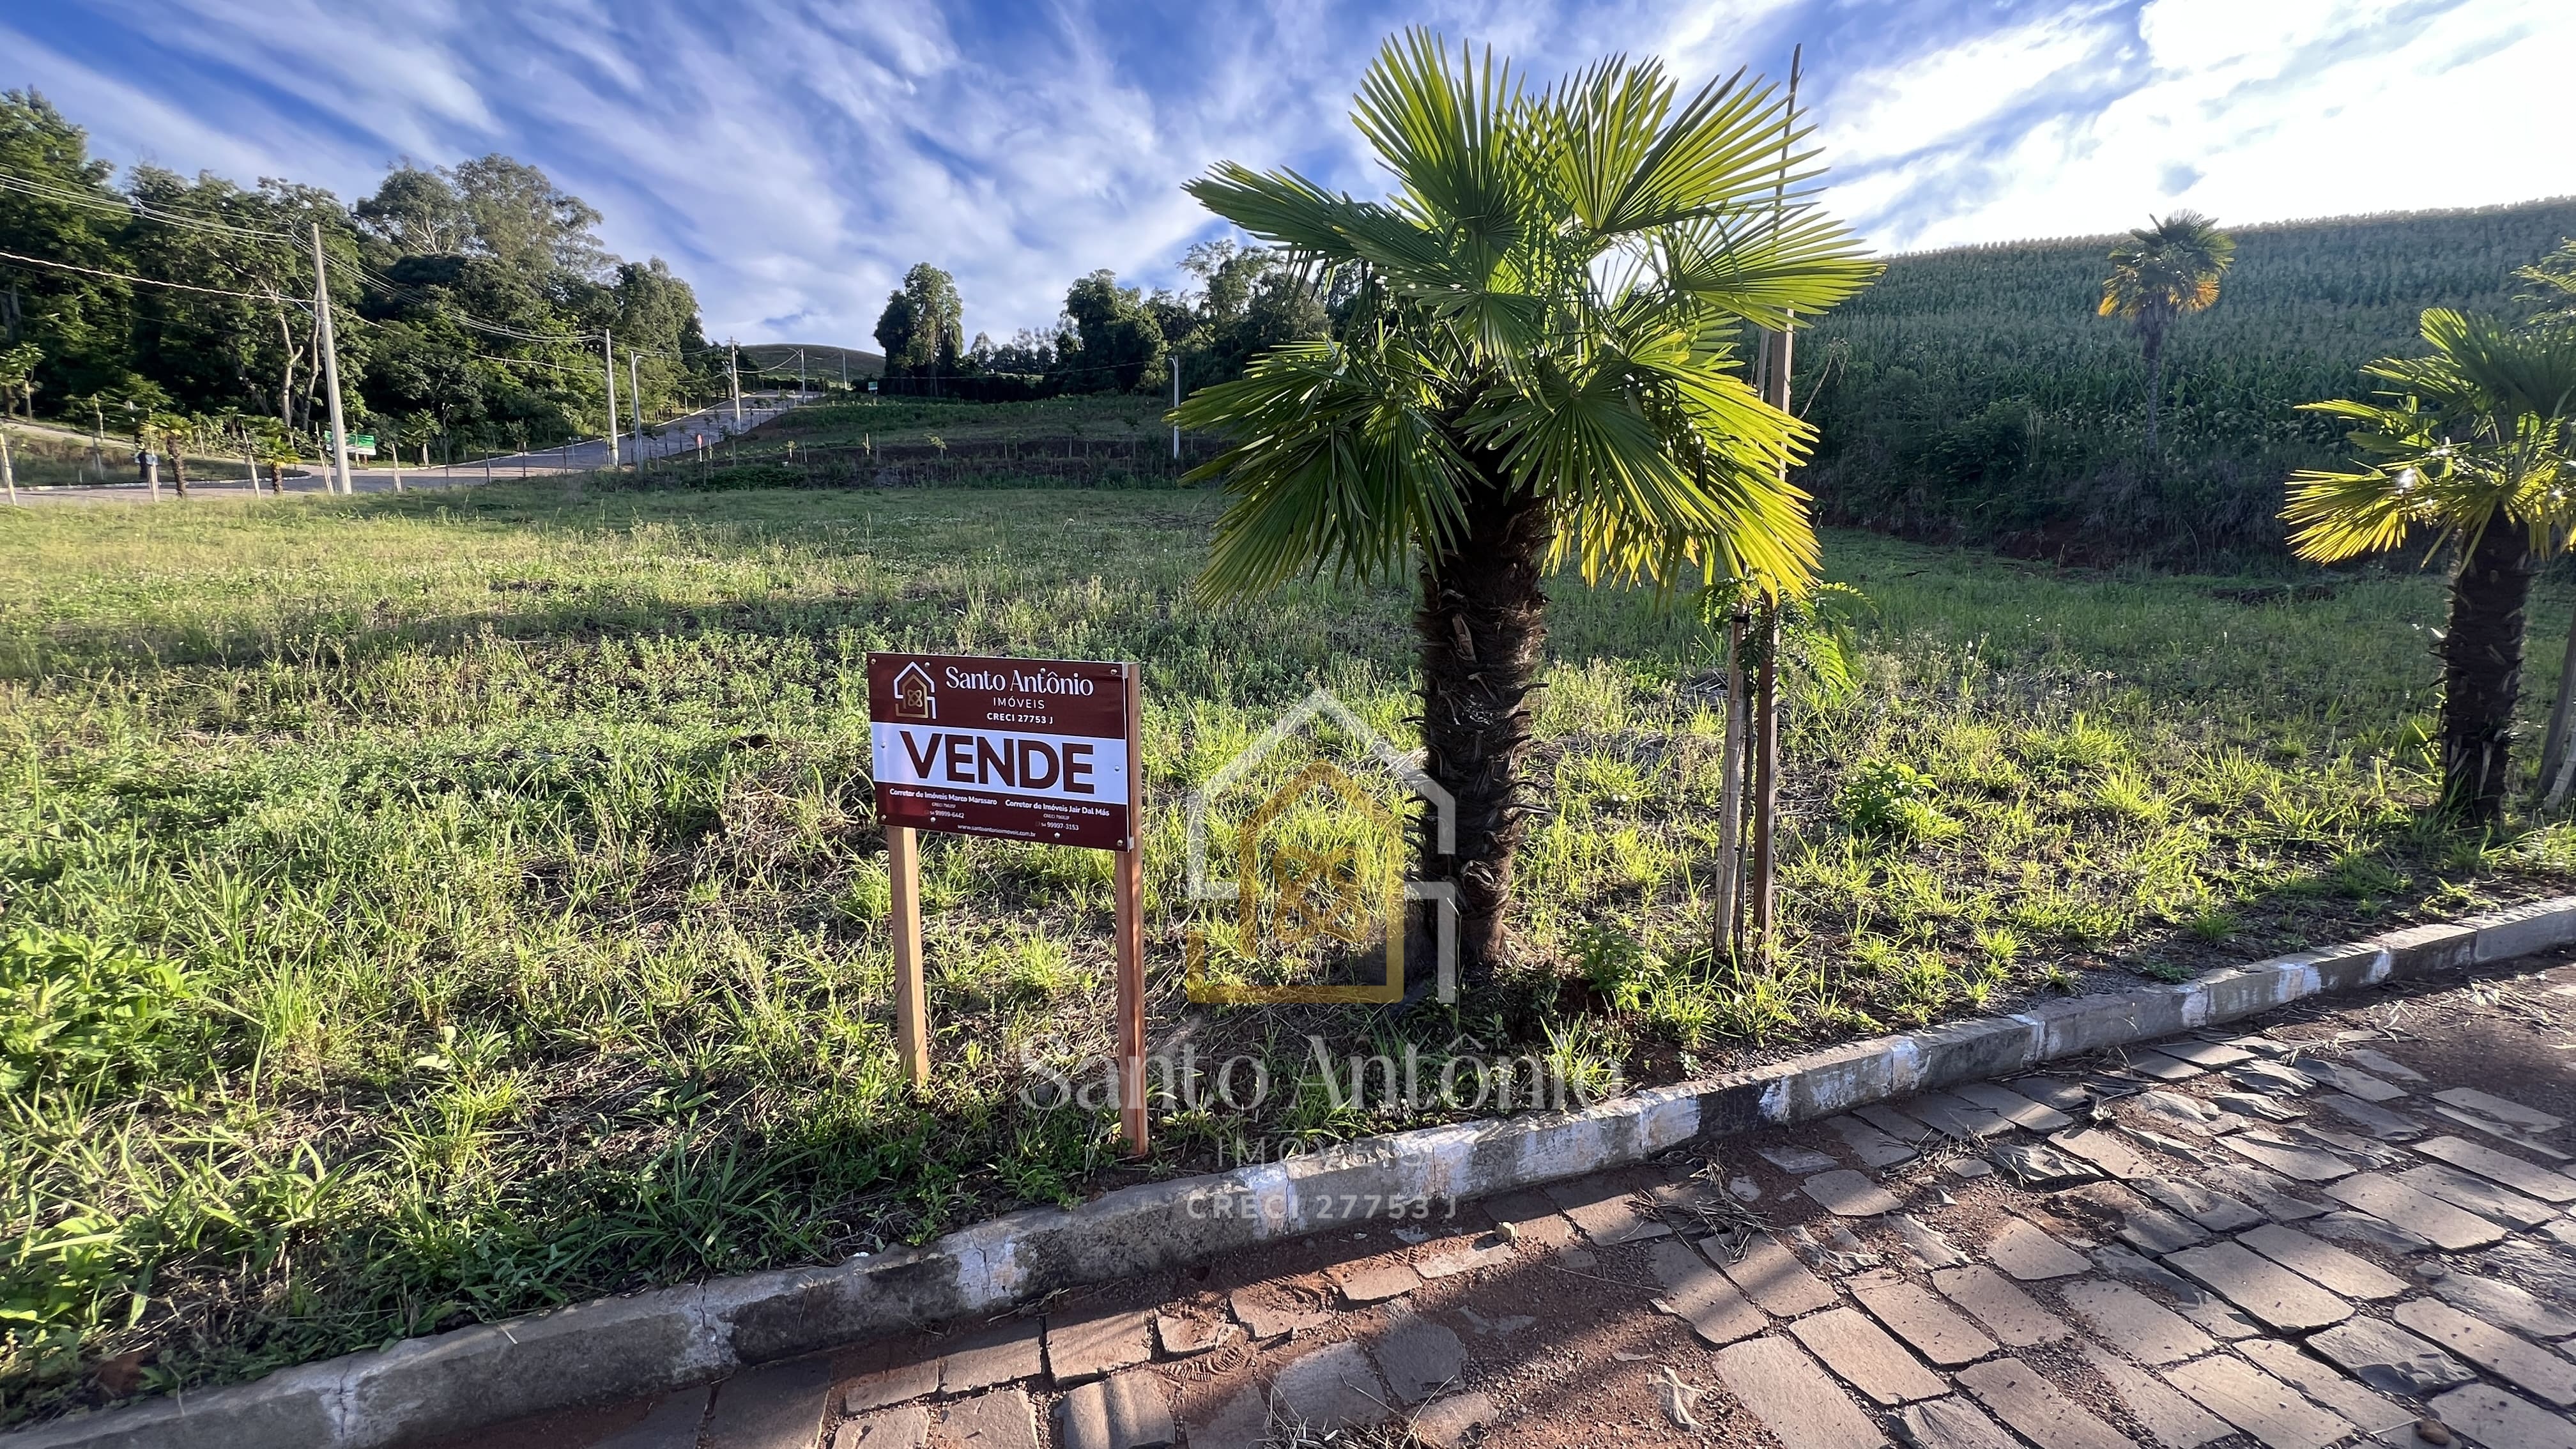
{"points": [[1014, 749]]}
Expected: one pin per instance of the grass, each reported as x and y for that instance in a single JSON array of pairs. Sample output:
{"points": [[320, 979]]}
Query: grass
{"points": [[426, 909]]}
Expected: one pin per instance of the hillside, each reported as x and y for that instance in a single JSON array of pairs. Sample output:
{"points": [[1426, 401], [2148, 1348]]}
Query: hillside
{"points": [[822, 362], [1973, 394]]}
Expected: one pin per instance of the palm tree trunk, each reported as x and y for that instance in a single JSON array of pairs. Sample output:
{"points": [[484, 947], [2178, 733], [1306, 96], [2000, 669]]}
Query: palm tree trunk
{"points": [[1482, 621], [2482, 672]]}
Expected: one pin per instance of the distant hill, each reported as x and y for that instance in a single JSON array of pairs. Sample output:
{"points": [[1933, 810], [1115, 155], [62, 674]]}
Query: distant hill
{"points": [[1973, 393], [822, 362]]}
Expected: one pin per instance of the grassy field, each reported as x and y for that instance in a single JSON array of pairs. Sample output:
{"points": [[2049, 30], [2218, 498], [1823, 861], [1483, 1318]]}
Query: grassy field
{"points": [[426, 909]]}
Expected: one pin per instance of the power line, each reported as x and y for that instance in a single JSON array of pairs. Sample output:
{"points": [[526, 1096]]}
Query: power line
{"points": [[157, 282]]}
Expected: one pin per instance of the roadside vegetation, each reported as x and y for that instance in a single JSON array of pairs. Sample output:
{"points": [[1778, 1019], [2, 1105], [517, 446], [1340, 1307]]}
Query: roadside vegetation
{"points": [[426, 909]]}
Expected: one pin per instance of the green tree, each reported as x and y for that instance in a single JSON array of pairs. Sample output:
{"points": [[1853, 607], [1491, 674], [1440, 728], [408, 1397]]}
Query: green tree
{"points": [[1112, 342], [18, 378], [1552, 374], [920, 329], [2164, 271], [2551, 283], [2474, 443], [79, 321]]}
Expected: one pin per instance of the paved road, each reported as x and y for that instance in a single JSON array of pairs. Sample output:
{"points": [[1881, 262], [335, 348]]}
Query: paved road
{"points": [[671, 439], [2314, 1229]]}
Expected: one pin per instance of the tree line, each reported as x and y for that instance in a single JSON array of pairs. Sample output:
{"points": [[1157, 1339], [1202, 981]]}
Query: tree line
{"points": [[1112, 338], [469, 302]]}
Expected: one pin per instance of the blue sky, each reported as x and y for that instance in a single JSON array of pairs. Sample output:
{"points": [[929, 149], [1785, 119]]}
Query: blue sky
{"points": [[792, 159]]}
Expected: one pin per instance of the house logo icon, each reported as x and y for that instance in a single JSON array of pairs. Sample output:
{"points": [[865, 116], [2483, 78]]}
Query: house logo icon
{"points": [[915, 696]]}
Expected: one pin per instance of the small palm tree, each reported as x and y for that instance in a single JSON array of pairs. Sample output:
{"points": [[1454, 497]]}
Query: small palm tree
{"points": [[2476, 442], [2161, 272], [1546, 369]]}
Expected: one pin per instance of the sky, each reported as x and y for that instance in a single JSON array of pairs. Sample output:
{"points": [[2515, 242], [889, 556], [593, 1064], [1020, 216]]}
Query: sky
{"points": [[792, 159]]}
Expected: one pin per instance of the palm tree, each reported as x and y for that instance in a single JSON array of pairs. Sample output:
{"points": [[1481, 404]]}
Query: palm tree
{"points": [[2475, 442], [2161, 272], [1544, 368]]}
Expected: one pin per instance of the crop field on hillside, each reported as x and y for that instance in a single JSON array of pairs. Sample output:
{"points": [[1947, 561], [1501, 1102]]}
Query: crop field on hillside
{"points": [[425, 909]]}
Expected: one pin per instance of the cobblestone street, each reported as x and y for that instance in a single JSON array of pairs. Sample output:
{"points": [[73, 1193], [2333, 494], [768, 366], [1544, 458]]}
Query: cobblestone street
{"points": [[2348, 1222]]}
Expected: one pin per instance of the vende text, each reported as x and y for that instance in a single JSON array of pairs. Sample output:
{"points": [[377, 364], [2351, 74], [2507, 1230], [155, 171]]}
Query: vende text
{"points": [[1055, 766]]}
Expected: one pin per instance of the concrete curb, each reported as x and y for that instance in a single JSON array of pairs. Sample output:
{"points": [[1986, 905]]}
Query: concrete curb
{"points": [[671, 1338]]}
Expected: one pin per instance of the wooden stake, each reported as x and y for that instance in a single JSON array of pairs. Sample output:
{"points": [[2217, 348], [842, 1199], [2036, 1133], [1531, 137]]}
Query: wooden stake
{"points": [[1131, 940], [1727, 940], [911, 1010], [1766, 779]]}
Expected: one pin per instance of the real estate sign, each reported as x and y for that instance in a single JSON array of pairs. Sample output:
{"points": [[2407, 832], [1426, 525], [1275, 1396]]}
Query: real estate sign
{"points": [[1018, 749]]}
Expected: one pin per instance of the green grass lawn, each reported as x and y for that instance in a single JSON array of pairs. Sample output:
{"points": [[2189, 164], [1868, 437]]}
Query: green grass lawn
{"points": [[478, 904]]}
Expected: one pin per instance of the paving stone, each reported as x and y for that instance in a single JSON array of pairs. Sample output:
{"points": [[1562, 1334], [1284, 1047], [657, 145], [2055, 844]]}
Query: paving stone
{"points": [[2493, 1417], [2322, 1262], [2153, 1230], [1123, 1411], [2503, 1305], [2518, 1361], [1849, 1194], [774, 1406], [1374, 1280], [2475, 1193], [2258, 1403], [2213, 1210], [1798, 1160], [1087, 1347], [2058, 1092], [2444, 1226], [2551, 1275], [1873, 1147], [1532, 1218], [1951, 1423], [1792, 1397], [2144, 1329], [2366, 1151], [2271, 1079], [1331, 1388], [2039, 1167], [1271, 1313], [2013, 1107], [1701, 1296], [2327, 1385], [1183, 1336], [2513, 1172], [995, 1355], [1915, 1315], [1446, 1424], [2110, 1152], [882, 1382], [1606, 1211], [2502, 1109], [2301, 1164], [2353, 1081], [2255, 1105], [2352, 1227], [2014, 1317], [1892, 1122], [1956, 1116], [1968, 1168], [2272, 1294], [2210, 1054], [2167, 1413], [1776, 1281], [2188, 1114], [1419, 1357], [2021, 1249], [2379, 1120], [2160, 1066], [904, 1428], [2265, 1191], [2385, 1356], [2027, 1402], [2512, 1136], [2382, 1065], [1929, 1245], [1002, 1419], [1866, 1358], [672, 1423], [1462, 1256]]}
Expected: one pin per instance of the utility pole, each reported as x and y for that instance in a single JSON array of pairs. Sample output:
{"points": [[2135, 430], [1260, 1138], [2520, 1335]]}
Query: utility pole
{"points": [[1176, 402], [608, 364], [635, 400], [800, 372], [8, 473], [733, 374], [331, 371]]}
